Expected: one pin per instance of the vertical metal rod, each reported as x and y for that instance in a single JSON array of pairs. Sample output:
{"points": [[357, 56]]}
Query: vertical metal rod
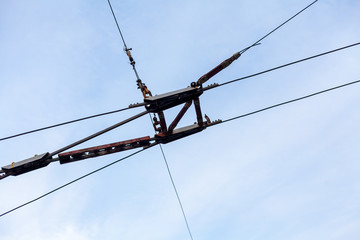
{"points": [[198, 111], [162, 122]]}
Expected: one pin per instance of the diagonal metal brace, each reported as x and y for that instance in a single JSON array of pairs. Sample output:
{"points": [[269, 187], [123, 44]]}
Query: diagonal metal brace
{"points": [[179, 116]]}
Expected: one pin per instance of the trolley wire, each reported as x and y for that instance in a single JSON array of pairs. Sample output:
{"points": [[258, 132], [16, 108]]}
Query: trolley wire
{"points": [[224, 121], [290, 101]]}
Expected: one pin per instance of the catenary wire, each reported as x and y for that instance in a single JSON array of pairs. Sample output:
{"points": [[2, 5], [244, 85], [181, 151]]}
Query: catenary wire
{"points": [[258, 41], [290, 101], [130, 155], [65, 123], [71, 182], [163, 154]]}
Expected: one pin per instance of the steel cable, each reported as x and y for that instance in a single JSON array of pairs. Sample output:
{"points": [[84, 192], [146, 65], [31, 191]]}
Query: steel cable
{"points": [[258, 41], [65, 123], [285, 65], [69, 183], [162, 151], [290, 101]]}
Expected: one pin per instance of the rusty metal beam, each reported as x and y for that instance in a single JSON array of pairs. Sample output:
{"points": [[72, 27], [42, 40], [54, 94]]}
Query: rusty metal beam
{"points": [[162, 122], [198, 111], [102, 150], [97, 134], [218, 68], [179, 116]]}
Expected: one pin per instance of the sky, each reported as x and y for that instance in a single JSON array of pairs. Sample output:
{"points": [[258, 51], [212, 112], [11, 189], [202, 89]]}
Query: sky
{"points": [[291, 172]]}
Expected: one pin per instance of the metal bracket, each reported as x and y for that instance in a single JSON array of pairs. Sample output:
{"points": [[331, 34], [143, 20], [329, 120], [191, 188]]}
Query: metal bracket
{"points": [[168, 100], [27, 165], [102, 150]]}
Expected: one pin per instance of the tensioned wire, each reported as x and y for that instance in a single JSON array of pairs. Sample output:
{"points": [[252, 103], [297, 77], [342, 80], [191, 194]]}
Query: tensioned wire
{"points": [[227, 120], [162, 151], [258, 41], [291, 101], [222, 84], [288, 64], [69, 183]]}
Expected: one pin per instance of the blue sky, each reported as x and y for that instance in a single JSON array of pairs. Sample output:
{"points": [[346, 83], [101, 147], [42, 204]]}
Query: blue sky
{"points": [[287, 173]]}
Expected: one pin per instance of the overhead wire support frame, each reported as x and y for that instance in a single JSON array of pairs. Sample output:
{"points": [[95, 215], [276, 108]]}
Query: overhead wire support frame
{"points": [[156, 104], [152, 104], [131, 106], [132, 154], [42, 160]]}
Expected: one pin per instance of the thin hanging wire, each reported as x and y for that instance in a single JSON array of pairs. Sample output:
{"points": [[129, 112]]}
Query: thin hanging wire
{"points": [[174, 186], [117, 24], [163, 154], [123, 40], [176, 192]]}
